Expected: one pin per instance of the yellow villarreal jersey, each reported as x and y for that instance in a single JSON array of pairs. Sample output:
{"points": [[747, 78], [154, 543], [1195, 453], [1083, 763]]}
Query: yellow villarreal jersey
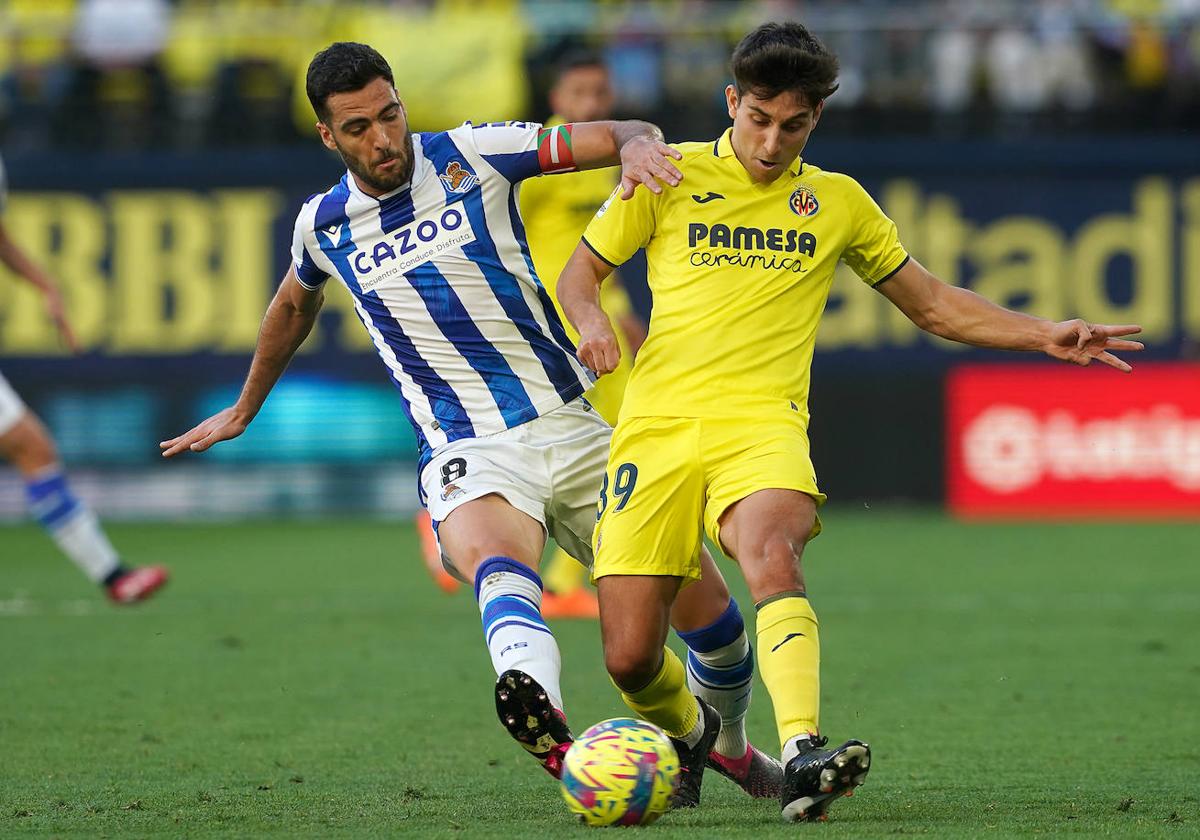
{"points": [[740, 273], [556, 209]]}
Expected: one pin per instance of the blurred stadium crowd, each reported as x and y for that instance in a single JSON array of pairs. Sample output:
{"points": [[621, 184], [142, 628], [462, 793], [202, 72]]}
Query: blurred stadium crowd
{"points": [[210, 73]]}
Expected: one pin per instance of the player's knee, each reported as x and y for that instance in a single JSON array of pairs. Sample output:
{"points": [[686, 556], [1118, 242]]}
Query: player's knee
{"points": [[471, 549], [29, 447], [775, 551], [632, 668], [772, 565]]}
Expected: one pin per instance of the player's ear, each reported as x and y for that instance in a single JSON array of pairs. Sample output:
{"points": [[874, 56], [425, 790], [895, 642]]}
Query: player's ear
{"points": [[817, 112], [326, 136], [731, 99]]}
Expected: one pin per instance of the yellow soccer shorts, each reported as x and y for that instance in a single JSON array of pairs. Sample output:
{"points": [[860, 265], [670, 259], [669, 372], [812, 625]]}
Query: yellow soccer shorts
{"points": [[669, 479]]}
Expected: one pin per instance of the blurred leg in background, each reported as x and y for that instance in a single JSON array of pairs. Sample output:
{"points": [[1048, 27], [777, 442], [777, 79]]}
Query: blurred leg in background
{"points": [[25, 443]]}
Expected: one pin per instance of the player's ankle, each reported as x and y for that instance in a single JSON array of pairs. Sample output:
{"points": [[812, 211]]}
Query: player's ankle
{"points": [[732, 743]]}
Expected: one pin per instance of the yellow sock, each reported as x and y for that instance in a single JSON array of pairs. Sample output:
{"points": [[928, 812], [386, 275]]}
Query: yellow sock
{"points": [[562, 574], [666, 701], [789, 659]]}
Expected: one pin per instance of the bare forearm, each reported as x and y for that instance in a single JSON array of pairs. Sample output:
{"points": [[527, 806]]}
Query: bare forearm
{"points": [[578, 292], [963, 316], [626, 130], [283, 330]]}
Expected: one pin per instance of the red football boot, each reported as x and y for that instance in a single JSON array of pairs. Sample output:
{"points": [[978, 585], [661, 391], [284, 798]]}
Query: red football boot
{"points": [[137, 584]]}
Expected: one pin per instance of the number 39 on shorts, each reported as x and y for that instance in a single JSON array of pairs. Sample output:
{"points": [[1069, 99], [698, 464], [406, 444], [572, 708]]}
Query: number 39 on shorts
{"points": [[624, 481]]}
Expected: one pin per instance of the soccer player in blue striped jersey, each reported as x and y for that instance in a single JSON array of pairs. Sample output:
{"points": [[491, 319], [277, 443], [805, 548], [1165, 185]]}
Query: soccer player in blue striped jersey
{"points": [[27, 445], [425, 232]]}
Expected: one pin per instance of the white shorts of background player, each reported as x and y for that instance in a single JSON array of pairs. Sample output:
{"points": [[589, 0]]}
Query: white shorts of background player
{"points": [[12, 409]]}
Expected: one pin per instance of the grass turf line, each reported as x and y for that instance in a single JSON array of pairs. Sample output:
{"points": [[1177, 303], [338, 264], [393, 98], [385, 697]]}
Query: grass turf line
{"points": [[305, 679]]}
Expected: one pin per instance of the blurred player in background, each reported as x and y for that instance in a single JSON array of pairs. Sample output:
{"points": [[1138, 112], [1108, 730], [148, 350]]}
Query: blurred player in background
{"points": [[714, 427], [26, 444], [425, 232], [556, 212]]}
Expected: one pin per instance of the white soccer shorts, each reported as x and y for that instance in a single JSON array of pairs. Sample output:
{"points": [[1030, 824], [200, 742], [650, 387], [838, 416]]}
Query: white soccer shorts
{"points": [[550, 468], [12, 409]]}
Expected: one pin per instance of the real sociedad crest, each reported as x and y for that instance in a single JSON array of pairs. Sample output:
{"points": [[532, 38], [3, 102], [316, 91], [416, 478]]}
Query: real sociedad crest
{"points": [[804, 202], [457, 179]]}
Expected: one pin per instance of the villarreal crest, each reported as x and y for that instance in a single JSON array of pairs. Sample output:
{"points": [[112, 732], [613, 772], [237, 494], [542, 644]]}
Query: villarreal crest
{"points": [[803, 202]]}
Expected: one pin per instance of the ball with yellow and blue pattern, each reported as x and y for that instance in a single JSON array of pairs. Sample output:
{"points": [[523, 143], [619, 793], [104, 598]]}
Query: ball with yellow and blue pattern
{"points": [[620, 772]]}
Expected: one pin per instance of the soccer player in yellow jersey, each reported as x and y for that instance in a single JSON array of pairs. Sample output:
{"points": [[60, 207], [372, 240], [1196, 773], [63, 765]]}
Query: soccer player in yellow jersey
{"points": [[556, 211], [713, 430]]}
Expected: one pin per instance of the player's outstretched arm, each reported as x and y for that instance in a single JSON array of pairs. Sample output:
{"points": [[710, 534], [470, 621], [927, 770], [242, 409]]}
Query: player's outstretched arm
{"points": [[579, 295], [19, 264], [638, 146], [963, 316], [288, 321]]}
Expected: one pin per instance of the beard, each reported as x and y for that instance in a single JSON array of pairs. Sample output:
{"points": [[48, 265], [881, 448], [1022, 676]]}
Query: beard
{"points": [[383, 182]]}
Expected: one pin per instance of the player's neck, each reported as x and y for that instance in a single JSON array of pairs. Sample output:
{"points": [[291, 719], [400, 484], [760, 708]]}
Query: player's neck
{"points": [[365, 188]]}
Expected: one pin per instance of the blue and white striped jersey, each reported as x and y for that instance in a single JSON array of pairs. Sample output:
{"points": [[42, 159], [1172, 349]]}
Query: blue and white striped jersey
{"points": [[443, 281]]}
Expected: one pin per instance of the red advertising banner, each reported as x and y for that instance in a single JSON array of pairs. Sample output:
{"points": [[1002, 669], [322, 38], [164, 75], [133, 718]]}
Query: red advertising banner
{"points": [[1044, 441]]}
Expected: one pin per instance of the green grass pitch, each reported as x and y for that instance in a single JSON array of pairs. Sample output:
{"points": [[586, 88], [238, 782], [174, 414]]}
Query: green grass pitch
{"points": [[307, 680]]}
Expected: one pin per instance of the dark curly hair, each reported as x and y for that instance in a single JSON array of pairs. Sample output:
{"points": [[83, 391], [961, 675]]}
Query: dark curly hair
{"points": [[340, 68], [778, 57]]}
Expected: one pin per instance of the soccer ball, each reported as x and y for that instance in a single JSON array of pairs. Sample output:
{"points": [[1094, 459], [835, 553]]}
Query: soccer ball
{"points": [[620, 772]]}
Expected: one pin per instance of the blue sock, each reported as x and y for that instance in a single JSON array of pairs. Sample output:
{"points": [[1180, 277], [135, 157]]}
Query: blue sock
{"points": [[720, 670], [510, 599], [72, 525]]}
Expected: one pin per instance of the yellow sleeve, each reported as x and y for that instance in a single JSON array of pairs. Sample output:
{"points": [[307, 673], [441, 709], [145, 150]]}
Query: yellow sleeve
{"points": [[619, 227], [531, 198], [874, 250], [614, 299]]}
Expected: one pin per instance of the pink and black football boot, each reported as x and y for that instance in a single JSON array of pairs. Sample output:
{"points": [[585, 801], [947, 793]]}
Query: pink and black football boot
{"points": [[526, 712]]}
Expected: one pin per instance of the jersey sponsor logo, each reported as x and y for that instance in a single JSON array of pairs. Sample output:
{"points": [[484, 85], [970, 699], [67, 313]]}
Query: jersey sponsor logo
{"points": [[754, 247], [412, 245], [457, 178], [712, 196], [751, 238], [803, 202]]}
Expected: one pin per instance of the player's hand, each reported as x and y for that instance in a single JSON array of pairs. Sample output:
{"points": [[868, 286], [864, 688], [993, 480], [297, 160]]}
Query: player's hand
{"points": [[645, 160], [57, 311], [224, 425], [1079, 342], [598, 347]]}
